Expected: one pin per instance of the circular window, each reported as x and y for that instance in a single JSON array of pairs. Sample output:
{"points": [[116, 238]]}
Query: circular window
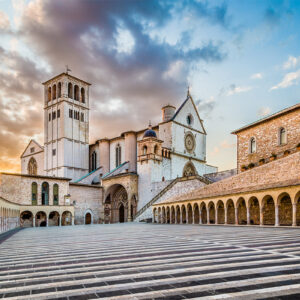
{"points": [[189, 142], [189, 120]]}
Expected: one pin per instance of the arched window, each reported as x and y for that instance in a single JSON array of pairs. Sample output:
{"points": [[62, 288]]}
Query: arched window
{"points": [[118, 155], [189, 170], [49, 93], [34, 193], [145, 150], [252, 147], [45, 193], [32, 166], [54, 92], [82, 95], [70, 90], [59, 90], [76, 92], [94, 161], [55, 194], [282, 136], [155, 149]]}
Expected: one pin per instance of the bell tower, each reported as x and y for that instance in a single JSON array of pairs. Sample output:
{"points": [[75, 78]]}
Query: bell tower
{"points": [[66, 126]]}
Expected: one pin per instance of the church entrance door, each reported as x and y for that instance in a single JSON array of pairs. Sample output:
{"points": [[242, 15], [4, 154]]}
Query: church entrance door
{"points": [[88, 219], [121, 213]]}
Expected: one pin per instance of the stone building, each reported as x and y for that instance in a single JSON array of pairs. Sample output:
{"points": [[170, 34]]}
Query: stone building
{"points": [[266, 190], [112, 180]]}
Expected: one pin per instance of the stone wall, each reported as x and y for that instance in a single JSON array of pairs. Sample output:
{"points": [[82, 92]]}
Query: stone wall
{"points": [[17, 188], [266, 135], [9, 215], [182, 187], [86, 198]]}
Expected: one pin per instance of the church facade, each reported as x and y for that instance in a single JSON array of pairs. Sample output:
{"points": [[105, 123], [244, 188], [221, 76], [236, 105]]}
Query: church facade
{"points": [[110, 180]]}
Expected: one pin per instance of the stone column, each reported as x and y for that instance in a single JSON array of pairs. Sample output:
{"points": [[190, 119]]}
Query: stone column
{"points": [[186, 216], [180, 217], [193, 216], [236, 216], [216, 216], [294, 214], [171, 216], [248, 215], [33, 221], [47, 221], [176, 216], [225, 215], [276, 215], [200, 216], [59, 223], [73, 221], [207, 213], [261, 217]]}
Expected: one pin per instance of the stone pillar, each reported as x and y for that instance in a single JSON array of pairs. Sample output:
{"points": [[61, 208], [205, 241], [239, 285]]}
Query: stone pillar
{"points": [[73, 221], [225, 215], [294, 214], [186, 216], [276, 215], [236, 219], [170, 216], [261, 217], [59, 223], [248, 215], [207, 213], [47, 221], [175, 216], [216, 216], [33, 221], [180, 217], [193, 216]]}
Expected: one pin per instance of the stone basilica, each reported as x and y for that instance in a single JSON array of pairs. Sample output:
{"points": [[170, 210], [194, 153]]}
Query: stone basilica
{"points": [[69, 181]]}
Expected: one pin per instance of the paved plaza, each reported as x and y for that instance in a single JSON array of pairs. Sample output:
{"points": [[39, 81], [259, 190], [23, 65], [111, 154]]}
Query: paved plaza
{"points": [[151, 261]]}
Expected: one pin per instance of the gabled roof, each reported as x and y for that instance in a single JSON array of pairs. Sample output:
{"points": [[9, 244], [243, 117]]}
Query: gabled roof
{"points": [[189, 97], [270, 117], [32, 141]]}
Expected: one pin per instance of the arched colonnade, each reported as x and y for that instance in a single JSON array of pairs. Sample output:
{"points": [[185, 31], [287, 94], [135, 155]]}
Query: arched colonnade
{"points": [[275, 207]]}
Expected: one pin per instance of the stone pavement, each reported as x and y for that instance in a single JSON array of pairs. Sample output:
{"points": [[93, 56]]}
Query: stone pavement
{"points": [[151, 261]]}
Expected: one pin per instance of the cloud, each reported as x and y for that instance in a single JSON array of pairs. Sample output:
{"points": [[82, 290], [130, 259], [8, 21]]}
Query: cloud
{"points": [[111, 45], [291, 63], [257, 76], [289, 79], [4, 22], [233, 89], [206, 106], [264, 111]]}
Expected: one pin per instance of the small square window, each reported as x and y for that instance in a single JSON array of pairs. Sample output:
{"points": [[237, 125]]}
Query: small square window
{"points": [[53, 152], [58, 113], [31, 149]]}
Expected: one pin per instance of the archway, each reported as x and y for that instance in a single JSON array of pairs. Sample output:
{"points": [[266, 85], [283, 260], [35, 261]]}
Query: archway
{"points": [[230, 212], [254, 211], [32, 166], [116, 204], [268, 210], [26, 219], [189, 170], [297, 201], [168, 215], [196, 214], [121, 213], [88, 218], [221, 212], [53, 219], [178, 214], [203, 214], [285, 210], [190, 214], [41, 219], [66, 218], [242, 212], [172, 215], [183, 214], [163, 215], [212, 213]]}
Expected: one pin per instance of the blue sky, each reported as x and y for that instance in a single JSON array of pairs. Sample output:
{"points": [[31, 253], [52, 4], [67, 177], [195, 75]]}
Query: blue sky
{"points": [[240, 58]]}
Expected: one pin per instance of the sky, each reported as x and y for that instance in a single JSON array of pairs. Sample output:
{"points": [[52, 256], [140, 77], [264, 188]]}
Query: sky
{"points": [[241, 60]]}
